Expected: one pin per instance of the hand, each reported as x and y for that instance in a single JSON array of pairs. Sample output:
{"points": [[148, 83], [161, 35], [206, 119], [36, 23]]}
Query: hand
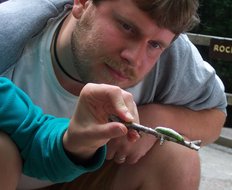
{"points": [[122, 150], [89, 128]]}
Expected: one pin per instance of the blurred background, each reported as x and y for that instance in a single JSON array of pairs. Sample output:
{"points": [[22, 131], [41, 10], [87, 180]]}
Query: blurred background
{"points": [[216, 20]]}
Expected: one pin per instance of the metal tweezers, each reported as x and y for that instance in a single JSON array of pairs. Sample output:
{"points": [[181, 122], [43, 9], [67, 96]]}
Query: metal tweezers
{"points": [[163, 134]]}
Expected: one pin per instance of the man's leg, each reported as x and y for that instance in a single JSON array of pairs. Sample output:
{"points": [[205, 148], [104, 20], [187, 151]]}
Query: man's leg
{"points": [[10, 163], [166, 167]]}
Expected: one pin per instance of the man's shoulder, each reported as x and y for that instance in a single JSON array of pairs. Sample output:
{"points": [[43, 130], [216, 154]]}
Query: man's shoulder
{"points": [[24, 19], [181, 43], [179, 51]]}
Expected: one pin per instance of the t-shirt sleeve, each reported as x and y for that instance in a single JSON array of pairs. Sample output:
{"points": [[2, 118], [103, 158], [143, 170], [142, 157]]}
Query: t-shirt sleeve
{"points": [[39, 137], [186, 79], [18, 26]]}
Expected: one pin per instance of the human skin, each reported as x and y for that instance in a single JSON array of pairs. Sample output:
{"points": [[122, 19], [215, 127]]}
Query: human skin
{"points": [[114, 40], [10, 163], [89, 128], [132, 53]]}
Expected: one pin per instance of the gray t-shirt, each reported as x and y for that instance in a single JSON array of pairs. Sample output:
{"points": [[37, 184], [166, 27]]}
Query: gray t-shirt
{"points": [[180, 77]]}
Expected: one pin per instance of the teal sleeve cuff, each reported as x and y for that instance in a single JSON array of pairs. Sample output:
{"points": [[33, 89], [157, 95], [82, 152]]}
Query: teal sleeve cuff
{"points": [[51, 161], [39, 137]]}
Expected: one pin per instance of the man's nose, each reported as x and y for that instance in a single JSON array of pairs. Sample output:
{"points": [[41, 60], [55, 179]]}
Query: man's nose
{"points": [[135, 54]]}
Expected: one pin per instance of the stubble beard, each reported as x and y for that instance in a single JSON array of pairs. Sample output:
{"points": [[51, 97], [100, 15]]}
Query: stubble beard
{"points": [[84, 47]]}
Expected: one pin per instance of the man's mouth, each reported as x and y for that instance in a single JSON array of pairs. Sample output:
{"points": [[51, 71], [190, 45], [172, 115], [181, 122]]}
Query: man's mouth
{"points": [[117, 74]]}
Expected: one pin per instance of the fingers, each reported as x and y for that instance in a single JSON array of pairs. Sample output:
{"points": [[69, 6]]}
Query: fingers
{"points": [[120, 159], [133, 135], [112, 130], [132, 151], [89, 128], [118, 150], [131, 105], [112, 147], [103, 100]]}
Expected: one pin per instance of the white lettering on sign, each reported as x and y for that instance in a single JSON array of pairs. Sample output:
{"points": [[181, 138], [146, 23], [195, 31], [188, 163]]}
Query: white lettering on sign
{"points": [[222, 48]]}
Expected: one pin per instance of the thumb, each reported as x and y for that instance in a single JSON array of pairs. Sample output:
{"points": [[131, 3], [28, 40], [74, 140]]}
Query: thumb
{"points": [[113, 130]]}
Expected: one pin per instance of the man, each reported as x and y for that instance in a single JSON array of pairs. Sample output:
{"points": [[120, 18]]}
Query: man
{"points": [[136, 45]]}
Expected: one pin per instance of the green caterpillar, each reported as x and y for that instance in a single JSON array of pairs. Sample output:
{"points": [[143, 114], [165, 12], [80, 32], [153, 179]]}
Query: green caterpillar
{"points": [[170, 133]]}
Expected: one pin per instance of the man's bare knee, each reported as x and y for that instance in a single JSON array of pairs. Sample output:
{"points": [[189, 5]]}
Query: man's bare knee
{"points": [[177, 167], [170, 166]]}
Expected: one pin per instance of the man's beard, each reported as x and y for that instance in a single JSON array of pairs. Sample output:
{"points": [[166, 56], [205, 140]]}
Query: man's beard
{"points": [[80, 51], [86, 49]]}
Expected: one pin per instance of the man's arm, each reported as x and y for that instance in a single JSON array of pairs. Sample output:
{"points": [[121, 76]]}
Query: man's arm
{"points": [[39, 137], [204, 125], [18, 25], [60, 149]]}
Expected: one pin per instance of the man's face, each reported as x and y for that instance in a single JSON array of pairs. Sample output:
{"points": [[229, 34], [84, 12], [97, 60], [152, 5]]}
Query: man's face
{"points": [[116, 43]]}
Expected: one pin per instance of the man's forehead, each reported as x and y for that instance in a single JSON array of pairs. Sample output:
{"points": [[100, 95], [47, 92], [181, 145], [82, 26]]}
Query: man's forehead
{"points": [[141, 23]]}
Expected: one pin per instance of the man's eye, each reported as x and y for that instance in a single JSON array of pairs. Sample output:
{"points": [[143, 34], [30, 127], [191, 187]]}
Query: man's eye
{"points": [[126, 27], [155, 45]]}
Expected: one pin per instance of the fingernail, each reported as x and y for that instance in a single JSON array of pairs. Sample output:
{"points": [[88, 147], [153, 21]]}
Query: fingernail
{"points": [[129, 116]]}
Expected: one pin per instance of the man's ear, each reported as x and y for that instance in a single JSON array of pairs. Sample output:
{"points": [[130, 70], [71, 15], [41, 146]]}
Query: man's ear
{"points": [[78, 7], [80, 1]]}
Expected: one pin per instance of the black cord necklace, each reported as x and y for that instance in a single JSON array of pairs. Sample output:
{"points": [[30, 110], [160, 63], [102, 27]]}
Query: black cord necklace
{"points": [[56, 56]]}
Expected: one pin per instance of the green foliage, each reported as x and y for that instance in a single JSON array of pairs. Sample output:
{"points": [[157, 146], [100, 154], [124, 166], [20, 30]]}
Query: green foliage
{"points": [[216, 18]]}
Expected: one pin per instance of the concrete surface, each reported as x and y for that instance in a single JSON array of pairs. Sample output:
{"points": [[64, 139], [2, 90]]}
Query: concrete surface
{"points": [[225, 138], [216, 162]]}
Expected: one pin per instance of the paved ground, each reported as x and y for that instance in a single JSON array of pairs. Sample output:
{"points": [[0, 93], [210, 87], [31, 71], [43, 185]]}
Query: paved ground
{"points": [[216, 160]]}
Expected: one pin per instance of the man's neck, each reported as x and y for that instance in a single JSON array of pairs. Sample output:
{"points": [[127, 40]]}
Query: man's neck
{"points": [[62, 59], [66, 82]]}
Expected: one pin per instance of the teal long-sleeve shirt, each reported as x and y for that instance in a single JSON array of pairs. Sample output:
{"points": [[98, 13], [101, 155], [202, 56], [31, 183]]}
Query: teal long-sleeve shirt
{"points": [[39, 137]]}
